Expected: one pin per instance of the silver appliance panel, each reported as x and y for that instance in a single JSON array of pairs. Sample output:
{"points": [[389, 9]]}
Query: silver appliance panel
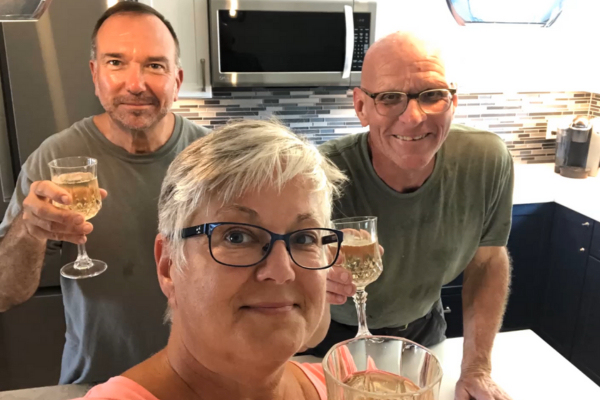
{"points": [[344, 77], [48, 67], [369, 7]]}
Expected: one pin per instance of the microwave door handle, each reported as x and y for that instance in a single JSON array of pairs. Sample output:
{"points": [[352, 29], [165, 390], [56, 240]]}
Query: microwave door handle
{"points": [[349, 15]]}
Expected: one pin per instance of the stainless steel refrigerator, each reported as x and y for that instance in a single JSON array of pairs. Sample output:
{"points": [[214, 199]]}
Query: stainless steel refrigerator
{"points": [[45, 86]]}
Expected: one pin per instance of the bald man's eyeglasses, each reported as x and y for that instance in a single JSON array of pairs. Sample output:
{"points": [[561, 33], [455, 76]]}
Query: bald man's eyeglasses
{"points": [[393, 104]]}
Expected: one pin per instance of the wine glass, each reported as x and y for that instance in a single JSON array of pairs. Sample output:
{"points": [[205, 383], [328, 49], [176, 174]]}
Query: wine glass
{"points": [[78, 176], [361, 257], [381, 367]]}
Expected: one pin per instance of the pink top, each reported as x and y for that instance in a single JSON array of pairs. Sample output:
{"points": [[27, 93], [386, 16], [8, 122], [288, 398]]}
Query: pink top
{"points": [[121, 388]]}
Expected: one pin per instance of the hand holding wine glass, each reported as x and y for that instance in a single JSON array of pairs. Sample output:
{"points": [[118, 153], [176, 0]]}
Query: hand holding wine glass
{"points": [[44, 221], [361, 258], [75, 198], [339, 281]]}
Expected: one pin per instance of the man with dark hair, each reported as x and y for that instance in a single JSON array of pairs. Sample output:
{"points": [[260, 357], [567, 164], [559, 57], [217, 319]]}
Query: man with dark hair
{"points": [[113, 320], [137, 8]]}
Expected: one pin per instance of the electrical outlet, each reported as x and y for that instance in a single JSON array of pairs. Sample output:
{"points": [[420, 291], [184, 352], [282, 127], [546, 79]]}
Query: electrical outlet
{"points": [[552, 128], [554, 123]]}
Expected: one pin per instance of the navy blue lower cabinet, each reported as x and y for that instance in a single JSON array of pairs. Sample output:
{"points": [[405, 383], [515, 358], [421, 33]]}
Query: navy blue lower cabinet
{"points": [[528, 249], [586, 349], [452, 304], [595, 247], [569, 248]]}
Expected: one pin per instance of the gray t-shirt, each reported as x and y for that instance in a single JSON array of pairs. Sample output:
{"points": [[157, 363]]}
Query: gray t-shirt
{"points": [[430, 235], [114, 320]]}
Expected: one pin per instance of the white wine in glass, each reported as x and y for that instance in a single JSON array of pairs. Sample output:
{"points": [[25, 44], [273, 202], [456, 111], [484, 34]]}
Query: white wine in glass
{"points": [[381, 382], [361, 257], [84, 190], [78, 176], [381, 368]]}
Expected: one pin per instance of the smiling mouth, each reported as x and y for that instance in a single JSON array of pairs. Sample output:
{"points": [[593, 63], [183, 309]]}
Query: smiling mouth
{"points": [[410, 138], [271, 309]]}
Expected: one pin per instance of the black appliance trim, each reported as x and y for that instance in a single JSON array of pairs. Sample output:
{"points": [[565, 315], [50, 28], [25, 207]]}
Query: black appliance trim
{"points": [[8, 107]]}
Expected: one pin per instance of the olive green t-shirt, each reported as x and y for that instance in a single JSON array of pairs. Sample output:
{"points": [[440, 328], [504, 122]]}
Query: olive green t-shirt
{"points": [[429, 235]]}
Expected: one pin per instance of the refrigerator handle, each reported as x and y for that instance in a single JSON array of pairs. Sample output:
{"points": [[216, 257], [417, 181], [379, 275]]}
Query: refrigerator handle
{"points": [[349, 14], [7, 184]]}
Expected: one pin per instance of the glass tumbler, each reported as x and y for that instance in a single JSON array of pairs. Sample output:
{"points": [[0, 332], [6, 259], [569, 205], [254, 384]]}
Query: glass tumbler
{"points": [[381, 367]]}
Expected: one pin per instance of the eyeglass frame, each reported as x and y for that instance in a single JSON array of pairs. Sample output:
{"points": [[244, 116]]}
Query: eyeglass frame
{"points": [[410, 97], [208, 228]]}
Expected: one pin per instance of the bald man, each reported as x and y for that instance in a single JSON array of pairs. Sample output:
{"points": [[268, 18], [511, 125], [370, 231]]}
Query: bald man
{"points": [[443, 195]]}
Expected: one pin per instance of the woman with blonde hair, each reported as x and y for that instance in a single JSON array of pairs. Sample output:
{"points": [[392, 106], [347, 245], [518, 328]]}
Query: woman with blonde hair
{"points": [[242, 255]]}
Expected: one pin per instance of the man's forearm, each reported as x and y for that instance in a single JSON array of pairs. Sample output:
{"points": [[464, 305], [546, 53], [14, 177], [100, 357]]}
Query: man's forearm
{"points": [[485, 292], [21, 259]]}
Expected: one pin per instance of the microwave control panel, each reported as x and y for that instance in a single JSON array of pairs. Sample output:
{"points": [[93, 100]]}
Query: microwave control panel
{"points": [[362, 39]]}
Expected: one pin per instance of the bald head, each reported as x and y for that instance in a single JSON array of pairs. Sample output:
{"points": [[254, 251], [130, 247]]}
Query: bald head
{"points": [[404, 61], [404, 139]]}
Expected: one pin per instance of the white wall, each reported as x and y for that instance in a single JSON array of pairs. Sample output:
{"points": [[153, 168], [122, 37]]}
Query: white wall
{"points": [[505, 58]]}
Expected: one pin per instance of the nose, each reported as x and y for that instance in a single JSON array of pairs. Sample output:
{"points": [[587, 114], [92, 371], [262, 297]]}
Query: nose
{"points": [[135, 83], [413, 115], [278, 267]]}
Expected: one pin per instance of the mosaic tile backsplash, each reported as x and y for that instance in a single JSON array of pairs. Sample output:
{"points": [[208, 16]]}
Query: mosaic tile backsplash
{"points": [[321, 114]]}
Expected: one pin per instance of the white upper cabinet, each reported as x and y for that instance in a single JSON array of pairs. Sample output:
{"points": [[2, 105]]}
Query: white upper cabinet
{"points": [[190, 21]]}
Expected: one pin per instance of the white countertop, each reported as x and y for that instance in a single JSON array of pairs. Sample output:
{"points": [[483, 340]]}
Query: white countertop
{"points": [[537, 183], [525, 366]]}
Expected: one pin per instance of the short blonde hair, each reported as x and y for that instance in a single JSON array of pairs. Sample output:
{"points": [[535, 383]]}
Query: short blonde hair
{"points": [[239, 157]]}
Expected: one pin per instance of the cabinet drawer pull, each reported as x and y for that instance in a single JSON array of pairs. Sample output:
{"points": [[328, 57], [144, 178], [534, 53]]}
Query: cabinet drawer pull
{"points": [[447, 310], [582, 249], [586, 224]]}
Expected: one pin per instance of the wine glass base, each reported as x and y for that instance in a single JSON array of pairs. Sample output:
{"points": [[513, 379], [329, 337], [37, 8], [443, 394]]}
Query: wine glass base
{"points": [[70, 272]]}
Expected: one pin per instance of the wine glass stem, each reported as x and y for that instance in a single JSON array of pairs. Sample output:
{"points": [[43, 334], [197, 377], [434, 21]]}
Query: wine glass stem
{"points": [[360, 300], [83, 260]]}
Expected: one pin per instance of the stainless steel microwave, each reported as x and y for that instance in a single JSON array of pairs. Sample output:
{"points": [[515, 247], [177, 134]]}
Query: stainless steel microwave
{"points": [[289, 42]]}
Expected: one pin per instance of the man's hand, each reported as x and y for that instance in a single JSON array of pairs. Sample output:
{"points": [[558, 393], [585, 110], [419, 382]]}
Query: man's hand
{"points": [[339, 284], [478, 386], [485, 290], [44, 221]]}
